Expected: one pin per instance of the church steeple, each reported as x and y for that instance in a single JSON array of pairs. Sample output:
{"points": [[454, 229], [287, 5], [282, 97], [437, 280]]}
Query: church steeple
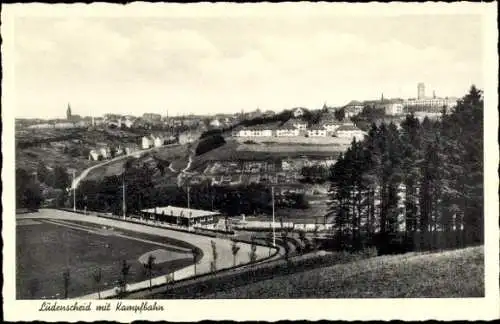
{"points": [[68, 112], [382, 98]]}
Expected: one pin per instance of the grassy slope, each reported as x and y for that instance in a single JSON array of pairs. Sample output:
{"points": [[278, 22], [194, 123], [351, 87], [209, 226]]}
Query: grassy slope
{"points": [[458, 273], [28, 158]]}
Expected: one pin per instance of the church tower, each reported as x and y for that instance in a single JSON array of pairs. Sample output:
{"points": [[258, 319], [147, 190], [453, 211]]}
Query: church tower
{"points": [[68, 112]]}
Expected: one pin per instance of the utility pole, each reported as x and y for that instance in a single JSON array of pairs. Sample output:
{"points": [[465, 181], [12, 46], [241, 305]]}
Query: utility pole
{"points": [[274, 233], [123, 197], [189, 202], [74, 192]]}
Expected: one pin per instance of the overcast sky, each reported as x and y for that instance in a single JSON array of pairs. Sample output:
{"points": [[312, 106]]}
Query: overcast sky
{"points": [[193, 65]]}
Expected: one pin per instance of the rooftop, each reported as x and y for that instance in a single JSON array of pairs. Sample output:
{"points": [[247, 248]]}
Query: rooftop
{"points": [[316, 127], [293, 121], [180, 212]]}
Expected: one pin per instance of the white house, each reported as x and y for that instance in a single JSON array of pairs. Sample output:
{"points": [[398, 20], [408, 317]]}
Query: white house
{"points": [[189, 137], [316, 131], [391, 107], [237, 131], [127, 122], [254, 131], [262, 131], [330, 125], [297, 123], [94, 155], [434, 104], [394, 108], [215, 123], [147, 142], [104, 152], [351, 132], [353, 108], [157, 141], [285, 131]]}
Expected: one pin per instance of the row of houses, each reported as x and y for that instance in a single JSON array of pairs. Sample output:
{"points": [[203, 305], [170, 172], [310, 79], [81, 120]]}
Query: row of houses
{"points": [[104, 151], [298, 127], [397, 106], [391, 107], [156, 140]]}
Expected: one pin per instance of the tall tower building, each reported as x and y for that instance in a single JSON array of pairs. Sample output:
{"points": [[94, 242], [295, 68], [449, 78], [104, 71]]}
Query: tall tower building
{"points": [[68, 112], [421, 91]]}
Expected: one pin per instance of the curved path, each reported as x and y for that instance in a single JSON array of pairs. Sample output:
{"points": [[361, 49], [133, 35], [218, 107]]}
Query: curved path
{"points": [[184, 171], [223, 246], [137, 154]]}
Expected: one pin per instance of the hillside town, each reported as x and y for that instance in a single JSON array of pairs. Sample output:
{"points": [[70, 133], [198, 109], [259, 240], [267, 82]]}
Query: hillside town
{"points": [[298, 155], [333, 123]]}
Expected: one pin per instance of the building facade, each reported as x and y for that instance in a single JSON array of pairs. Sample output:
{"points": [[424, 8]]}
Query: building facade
{"points": [[180, 216], [316, 132], [287, 131]]}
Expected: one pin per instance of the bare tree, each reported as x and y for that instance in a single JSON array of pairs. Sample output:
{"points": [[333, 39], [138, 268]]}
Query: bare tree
{"points": [[97, 276], [148, 266], [284, 235], [315, 235], [270, 239], [66, 278], [212, 266], [234, 249], [253, 250], [214, 255], [125, 269], [195, 253], [303, 239]]}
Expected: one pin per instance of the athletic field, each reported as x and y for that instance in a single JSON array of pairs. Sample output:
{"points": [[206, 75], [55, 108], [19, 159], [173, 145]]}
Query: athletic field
{"points": [[46, 247]]}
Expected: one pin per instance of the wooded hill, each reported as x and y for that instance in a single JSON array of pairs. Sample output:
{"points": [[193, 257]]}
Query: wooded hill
{"points": [[419, 187]]}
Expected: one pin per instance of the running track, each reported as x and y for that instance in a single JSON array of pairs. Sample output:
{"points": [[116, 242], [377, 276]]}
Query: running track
{"points": [[224, 260]]}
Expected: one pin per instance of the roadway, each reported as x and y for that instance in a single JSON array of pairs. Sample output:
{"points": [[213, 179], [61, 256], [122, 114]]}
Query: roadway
{"points": [[136, 154]]}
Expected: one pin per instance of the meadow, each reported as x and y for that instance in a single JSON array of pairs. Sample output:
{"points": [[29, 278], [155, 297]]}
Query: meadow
{"points": [[448, 274]]}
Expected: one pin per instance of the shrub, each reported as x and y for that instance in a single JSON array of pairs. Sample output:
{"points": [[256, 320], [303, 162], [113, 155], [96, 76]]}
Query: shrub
{"points": [[209, 143]]}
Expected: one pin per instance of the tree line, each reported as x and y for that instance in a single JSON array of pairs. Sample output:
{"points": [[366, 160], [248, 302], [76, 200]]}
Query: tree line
{"points": [[29, 193], [417, 187], [141, 192]]}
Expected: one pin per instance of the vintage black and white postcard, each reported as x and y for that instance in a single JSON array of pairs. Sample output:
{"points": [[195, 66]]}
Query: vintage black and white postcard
{"points": [[288, 161]]}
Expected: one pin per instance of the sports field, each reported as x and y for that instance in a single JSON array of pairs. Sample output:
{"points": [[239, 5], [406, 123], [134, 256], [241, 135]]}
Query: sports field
{"points": [[45, 248]]}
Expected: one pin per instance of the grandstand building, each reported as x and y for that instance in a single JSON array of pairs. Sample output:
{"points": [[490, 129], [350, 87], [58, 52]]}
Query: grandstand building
{"points": [[181, 216]]}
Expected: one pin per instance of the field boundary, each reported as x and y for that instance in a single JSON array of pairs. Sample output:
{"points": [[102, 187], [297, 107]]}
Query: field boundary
{"points": [[129, 220], [238, 276]]}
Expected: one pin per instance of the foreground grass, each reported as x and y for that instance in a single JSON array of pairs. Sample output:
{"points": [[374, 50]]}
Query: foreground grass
{"points": [[450, 274]]}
